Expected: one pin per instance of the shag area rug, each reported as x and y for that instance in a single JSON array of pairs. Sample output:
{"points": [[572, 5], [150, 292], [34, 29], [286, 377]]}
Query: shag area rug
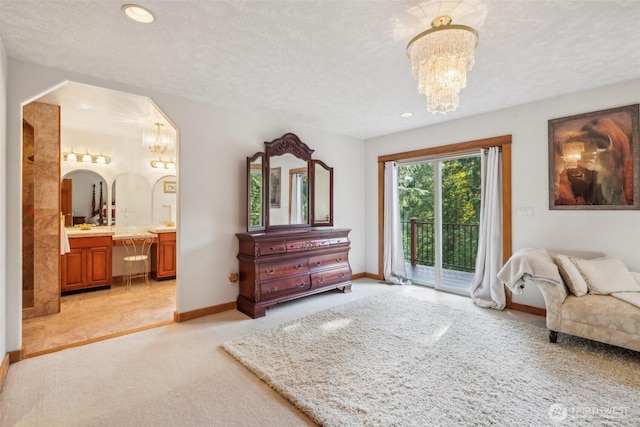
{"points": [[394, 360]]}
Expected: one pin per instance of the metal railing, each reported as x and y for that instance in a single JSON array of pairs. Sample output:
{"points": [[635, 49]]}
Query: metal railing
{"points": [[459, 244]]}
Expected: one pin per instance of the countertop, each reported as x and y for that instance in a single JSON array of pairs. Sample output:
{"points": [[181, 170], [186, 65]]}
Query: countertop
{"points": [[75, 232], [117, 232]]}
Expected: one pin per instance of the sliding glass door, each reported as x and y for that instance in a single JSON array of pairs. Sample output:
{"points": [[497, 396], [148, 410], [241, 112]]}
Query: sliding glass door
{"points": [[440, 211]]}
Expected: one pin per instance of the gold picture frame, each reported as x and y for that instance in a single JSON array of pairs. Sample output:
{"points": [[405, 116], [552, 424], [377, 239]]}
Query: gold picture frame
{"points": [[170, 186], [594, 160]]}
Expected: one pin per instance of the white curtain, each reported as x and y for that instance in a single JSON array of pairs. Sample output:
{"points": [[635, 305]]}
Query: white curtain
{"points": [[296, 199], [487, 290], [394, 269]]}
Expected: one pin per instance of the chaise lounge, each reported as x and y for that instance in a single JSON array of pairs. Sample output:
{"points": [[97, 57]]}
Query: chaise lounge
{"points": [[597, 299]]}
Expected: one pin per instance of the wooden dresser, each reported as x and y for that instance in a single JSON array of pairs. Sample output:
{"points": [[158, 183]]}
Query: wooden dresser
{"points": [[277, 266]]}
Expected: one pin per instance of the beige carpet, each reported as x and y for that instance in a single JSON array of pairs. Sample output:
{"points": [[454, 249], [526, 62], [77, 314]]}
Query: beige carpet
{"points": [[394, 360]]}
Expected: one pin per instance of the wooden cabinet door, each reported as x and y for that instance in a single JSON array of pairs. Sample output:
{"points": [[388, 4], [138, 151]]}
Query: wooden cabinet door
{"points": [[98, 266], [166, 258], [75, 269]]}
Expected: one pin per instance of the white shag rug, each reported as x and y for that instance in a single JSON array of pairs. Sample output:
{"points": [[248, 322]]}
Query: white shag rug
{"points": [[393, 360]]}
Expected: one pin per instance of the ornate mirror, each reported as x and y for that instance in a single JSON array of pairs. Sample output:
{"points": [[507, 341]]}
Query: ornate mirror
{"points": [[283, 184], [287, 185], [255, 191], [322, 193]]}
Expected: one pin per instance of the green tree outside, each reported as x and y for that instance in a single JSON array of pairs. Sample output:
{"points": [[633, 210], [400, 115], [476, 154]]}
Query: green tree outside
{"points": [[461, 181]]}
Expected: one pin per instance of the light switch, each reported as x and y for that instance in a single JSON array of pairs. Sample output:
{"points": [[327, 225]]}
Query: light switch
{"points": [[524, 213]]}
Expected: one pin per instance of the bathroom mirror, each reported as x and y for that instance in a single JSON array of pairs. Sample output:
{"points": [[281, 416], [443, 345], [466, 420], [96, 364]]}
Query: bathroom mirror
{"points": [[132, 193], [83, 195], [281, 187], [164, 199]]}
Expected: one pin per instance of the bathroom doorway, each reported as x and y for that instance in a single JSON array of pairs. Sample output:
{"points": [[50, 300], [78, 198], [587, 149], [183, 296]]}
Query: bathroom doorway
{"points": [[110, 135]]}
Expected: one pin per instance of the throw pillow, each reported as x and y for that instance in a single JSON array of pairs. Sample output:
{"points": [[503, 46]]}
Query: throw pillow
{"points": [[571, 276], [606, 275]]}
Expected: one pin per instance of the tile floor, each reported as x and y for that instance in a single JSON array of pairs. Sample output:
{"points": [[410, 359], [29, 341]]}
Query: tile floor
{"points": [[93, 315]]}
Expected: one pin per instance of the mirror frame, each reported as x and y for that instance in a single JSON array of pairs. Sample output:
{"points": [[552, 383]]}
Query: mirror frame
{"points": [[287, 144], [314, 222], [250, 160]]}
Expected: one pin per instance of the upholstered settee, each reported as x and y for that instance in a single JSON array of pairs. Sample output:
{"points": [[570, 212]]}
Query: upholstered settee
{"points": [[597, 299]]}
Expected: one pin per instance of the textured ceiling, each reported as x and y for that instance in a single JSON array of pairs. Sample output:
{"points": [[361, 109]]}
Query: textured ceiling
{"points": [[336, 65]]}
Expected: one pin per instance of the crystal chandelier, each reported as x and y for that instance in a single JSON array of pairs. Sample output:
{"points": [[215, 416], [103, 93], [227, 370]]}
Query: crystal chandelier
{"points": [[440, 58], [157, 140]]}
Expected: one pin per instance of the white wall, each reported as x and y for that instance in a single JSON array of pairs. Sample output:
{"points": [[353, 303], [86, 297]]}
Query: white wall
{"points": [[3, 200], [214, 144], [615, 233]]}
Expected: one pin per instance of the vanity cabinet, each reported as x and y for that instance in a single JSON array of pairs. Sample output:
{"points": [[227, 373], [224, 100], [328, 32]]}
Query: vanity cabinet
{"points": [[164, 257], [280, 266], [88, 264]]}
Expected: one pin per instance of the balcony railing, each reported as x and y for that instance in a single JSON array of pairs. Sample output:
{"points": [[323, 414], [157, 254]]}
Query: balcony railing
{"points": [[459, 244]]}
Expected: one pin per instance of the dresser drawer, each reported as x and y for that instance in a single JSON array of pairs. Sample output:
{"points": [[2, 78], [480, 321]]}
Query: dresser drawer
{"points": [[273, 270], [330, 277], [277, 288], [304, 245], [270, 248], [320, 262]]}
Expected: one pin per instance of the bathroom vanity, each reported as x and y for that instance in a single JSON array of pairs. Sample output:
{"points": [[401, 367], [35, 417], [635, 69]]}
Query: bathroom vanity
{"points": [[89, 264]]}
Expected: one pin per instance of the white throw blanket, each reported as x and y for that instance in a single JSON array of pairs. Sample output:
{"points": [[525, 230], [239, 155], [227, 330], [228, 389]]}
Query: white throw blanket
{"points": [[630, 297], [529, 262]]}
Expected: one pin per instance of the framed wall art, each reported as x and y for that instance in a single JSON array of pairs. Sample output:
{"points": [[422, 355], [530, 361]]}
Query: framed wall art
{"points": [[170, 186], [594, 160]]}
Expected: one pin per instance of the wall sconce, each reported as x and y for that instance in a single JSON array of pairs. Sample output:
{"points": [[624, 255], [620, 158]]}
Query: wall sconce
{"points": [[161, 164], [157, 140], [100, 159]]}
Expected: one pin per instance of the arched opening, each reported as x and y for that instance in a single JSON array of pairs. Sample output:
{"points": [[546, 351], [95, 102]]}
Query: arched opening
{"points": [[80, 160]]}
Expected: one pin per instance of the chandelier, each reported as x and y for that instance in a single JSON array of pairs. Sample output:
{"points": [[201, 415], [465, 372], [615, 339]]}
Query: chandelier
{"points": [[440, 58], [157, 139]]}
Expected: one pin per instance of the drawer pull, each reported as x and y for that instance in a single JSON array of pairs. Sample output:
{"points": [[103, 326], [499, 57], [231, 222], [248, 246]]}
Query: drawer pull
{"points": [[297, 267], [268, 291], [320, 280], [342, 275], [339, 259], [317, 263], [273, 270], [300, 285]]}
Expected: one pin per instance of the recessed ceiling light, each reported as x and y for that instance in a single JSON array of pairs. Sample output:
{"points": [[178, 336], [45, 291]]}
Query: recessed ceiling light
{"points": [[406, 114], [138, 13]]}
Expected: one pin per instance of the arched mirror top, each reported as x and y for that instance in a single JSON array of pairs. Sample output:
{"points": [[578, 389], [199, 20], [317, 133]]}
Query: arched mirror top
{"points": [[282, 186], [288, 143], [83, 196]]}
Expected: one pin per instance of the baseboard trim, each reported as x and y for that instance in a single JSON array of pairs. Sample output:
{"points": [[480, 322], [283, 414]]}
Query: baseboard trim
{"points": [[373, 276], [17, 355], [528, 309], [358, 276], [4, 368], [92, 340], [206, 311]]}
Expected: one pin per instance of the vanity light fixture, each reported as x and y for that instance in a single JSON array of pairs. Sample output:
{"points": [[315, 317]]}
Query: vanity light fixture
{"points": [[156, 139], [138, 13], [86, 158], [161, 164]]}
